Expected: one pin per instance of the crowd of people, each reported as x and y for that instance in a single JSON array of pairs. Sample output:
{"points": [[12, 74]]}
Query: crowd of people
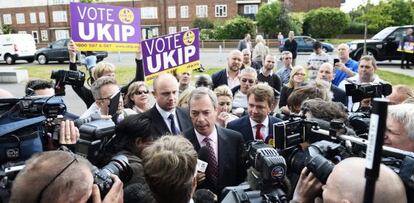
{"points": [[216, 116]]}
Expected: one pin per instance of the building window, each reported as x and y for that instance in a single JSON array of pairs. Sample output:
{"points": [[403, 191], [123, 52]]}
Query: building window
{"points": [[155, 32], [184, 28], [7, 19], [221, 11], [251, 9], [172, 30], [20, 18], [171, 12], [61, 34], [56, 2], [35, 36], [184, 11], [202, 11], [33, 18], [42, 17], [60, 16], [149, 13], [21, 32], [44, 35]]}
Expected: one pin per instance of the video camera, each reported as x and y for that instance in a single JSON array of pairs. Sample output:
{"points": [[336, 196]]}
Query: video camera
{"points": [[266, 177], [66, 77], [359, 92]]}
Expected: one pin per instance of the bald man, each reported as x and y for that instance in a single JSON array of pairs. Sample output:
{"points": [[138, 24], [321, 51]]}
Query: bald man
{"points": [[346, 67], [166, 117], [341, 188], [346, 184], [326, 72], [229, 75]]}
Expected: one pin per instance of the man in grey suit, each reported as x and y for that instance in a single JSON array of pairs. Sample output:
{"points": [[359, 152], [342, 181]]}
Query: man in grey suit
{"points": [[223, 147], [245, 43], [165, 116]]}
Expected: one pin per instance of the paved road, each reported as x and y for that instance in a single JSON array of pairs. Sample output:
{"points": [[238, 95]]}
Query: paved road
{"points": [[209, 58]]}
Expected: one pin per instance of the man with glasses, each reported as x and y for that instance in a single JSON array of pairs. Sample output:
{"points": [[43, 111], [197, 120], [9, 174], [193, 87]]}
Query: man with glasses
{"points": [[247, 60], [61, 177], [284, 72], [103, 90], [248, 78]]}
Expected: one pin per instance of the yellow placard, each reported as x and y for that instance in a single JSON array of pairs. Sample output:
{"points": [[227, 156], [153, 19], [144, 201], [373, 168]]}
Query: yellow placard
{"points": [[179, 69], [96, 46]]}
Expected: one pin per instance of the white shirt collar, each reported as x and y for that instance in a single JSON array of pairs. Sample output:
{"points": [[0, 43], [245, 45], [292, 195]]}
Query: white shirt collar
{"points": [[212, 136], [265, 122], [163, 112]]}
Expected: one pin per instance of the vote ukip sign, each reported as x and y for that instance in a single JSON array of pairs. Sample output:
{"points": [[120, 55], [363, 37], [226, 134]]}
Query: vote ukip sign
{"points": [[98, 27], [178, 52]]}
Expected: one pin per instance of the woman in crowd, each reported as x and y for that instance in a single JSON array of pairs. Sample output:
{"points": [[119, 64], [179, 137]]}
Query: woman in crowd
{"points": [[297, 79], [183, 97], [224, 99], [260, 50], [137, 97]]}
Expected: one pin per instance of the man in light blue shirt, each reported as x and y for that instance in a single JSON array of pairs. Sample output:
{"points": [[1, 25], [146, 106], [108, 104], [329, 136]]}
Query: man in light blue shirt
{"points": [[346, 67], [284, 72]]}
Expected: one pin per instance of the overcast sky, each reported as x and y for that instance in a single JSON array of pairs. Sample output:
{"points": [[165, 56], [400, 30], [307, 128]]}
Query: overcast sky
{"points": [[350, 4]]}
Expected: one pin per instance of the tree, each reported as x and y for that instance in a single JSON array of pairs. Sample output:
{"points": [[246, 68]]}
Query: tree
{"points": [[7, 29], [203, 23], [273, 18], [325, 22], [236, 28]]}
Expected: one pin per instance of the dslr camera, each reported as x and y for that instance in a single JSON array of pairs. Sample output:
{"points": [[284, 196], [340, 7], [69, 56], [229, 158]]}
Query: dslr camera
{"points": [[66, 77]]}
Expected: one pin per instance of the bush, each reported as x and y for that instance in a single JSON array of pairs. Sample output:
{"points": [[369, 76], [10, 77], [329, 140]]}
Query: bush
{"points": [[274, 18], [355, 28], [203, 23], [325, 22], [235, 28]]}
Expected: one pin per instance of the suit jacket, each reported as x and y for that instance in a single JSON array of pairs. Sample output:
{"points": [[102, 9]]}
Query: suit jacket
{"points": [[242, 45], [158, 125], [231, 167], [339, 95], [219, 78], [244, 126]]}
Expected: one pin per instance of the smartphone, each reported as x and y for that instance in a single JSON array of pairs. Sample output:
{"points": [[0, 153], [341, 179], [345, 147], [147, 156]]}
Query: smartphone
{"points": [[113, 104], [336, 61]]}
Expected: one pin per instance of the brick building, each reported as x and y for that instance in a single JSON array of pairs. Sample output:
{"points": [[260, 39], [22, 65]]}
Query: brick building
{"points": [[306, 5], [49, 20]]}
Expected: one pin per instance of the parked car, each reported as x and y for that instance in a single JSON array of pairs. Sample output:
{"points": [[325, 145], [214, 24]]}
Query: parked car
{"points": [[305, 44], [17, 46], [383, 45], [58, 51]]}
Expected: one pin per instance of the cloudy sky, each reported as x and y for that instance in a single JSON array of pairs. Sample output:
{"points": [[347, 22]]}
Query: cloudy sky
{"points": [[350, 4]]}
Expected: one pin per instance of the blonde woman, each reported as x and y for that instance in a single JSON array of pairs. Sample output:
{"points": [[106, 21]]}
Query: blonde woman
{"points": [[297, 79], [183, 97], [137, 97], [224, 100]]}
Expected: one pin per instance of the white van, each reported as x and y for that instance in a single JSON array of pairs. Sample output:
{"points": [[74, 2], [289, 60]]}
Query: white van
{"points": [[17, 47]]}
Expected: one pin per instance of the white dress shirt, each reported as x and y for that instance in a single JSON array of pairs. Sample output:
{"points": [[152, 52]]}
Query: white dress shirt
{"points": [[165, 115]]}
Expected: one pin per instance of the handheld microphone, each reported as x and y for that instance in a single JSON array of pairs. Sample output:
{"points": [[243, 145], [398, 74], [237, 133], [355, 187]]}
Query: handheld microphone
{"points": [[202, 159]]}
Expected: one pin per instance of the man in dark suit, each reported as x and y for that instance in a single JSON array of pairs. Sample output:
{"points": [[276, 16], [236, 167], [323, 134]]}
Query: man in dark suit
{"points": [[258, 124], [326, 73], [223, 146], [245, 43], [165, 116], [229, 75]]}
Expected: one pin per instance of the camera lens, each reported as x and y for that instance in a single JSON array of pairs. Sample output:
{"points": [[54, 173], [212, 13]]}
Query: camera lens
{"points": [[320, 167]]}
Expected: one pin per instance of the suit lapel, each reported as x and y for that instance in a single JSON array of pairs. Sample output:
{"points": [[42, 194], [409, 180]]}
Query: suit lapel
{"points": [[247, 128], [162, 127], [193, 139], [221, 139]]}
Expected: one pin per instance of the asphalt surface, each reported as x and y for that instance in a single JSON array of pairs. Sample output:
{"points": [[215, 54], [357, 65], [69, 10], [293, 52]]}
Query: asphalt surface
{"points": [[212, 58]]}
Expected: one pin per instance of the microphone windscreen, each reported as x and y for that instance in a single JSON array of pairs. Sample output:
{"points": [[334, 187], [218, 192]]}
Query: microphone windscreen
{"points": [[203, 154]]}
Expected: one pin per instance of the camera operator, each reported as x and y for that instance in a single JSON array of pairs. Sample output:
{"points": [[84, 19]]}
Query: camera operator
{"points": [[399, 127], [366, 74], [102, 90], [346, 183], [170, 169], [39, 88], [60, 176], [101, 69]]}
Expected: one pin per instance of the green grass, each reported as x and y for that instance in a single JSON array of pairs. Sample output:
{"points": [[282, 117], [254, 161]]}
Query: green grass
{"points": [[336, 42], [127, 73]]}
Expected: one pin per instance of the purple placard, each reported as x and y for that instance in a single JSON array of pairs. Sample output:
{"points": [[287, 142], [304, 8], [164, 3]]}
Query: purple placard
{"points": [[105, 23], [170, 51]]}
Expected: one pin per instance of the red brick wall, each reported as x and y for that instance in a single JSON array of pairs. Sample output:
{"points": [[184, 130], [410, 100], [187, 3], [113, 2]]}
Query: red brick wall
{"points": [[306, 5]]}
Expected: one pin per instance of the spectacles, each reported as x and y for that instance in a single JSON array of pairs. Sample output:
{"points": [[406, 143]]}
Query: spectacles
{"points": [[301, 74], [110, 97], [60, 173], [244, 80], [141, 92]]}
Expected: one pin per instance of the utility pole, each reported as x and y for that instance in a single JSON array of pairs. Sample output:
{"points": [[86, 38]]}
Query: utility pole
{"points": [[365, 29]]}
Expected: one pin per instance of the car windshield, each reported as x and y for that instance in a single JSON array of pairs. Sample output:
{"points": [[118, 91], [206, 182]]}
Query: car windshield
{"points": [[383, 33]]}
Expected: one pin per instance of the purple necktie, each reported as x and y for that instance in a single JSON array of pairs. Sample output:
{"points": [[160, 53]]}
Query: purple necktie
{"points": [[211, 172]]}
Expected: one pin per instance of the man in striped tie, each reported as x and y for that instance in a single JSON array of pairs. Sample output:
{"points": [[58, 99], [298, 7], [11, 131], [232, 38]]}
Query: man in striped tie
{"points": [[223, 147]]}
